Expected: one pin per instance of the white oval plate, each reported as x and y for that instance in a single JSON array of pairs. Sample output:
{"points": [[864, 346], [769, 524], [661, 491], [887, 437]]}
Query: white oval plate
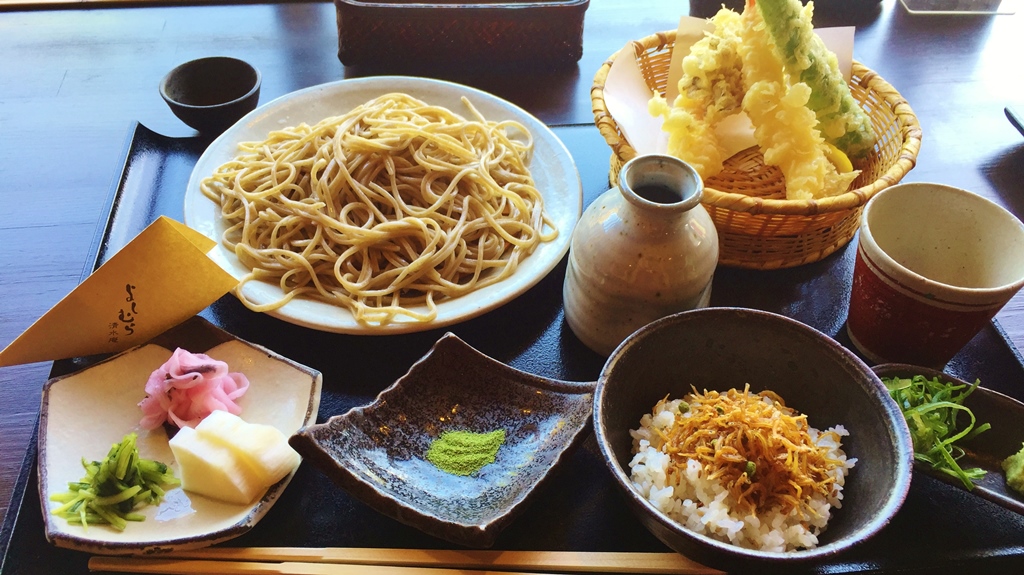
{"points": [[86, 412], [553, 169]]}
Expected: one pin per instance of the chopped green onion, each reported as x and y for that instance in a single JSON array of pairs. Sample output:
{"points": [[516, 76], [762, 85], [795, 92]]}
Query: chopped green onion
{"points": [[931, 408]]}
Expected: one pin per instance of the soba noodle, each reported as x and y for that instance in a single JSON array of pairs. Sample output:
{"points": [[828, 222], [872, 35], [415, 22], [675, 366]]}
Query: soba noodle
{"points": [[393, 205]]}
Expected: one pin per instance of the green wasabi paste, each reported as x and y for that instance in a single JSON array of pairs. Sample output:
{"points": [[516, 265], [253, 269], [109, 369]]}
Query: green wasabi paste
{"points": [[1014, 468], [465, 452]]}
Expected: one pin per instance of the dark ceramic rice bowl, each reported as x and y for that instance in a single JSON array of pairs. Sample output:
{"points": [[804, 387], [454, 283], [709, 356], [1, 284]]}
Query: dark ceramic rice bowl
{"points": [[377, 452], [722, 348]]}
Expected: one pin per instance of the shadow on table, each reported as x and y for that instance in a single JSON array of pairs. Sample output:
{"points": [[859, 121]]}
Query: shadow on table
{"points": [[1006, 174]]}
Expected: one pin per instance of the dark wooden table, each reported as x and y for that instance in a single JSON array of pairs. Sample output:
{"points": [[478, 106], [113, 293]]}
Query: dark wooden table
{"points": [[73, 82]]}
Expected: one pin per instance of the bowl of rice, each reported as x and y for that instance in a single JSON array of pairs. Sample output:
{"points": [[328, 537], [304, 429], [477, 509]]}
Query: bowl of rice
{"points": [[747, 440]]}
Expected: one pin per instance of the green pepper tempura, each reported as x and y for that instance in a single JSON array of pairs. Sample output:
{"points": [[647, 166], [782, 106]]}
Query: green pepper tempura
{"points": [[841, 120], [113, 488], [931, 408]]}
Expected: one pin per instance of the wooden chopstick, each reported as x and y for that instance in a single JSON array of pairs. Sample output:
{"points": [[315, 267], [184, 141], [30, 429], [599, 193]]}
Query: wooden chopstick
{"points": [[204, 567], [360, 561]]}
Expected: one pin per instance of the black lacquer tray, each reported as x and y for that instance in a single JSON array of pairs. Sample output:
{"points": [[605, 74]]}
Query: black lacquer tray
{"points": [[939, 529]]}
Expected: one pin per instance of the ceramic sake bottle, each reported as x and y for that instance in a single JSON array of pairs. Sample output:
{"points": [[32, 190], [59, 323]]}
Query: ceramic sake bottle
{"points": [[643, 250]]}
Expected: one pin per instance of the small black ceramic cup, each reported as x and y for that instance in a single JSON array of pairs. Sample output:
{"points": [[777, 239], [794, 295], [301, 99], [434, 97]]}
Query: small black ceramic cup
{"points": [[211, 94]]}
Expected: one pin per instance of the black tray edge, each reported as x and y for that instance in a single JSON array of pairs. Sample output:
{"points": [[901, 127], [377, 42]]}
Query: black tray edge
{"points": [[998, 561]]}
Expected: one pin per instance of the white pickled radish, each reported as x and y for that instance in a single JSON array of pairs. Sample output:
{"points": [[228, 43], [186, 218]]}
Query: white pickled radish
{"points": [[262, 448], [231, 460], [211, 469]]}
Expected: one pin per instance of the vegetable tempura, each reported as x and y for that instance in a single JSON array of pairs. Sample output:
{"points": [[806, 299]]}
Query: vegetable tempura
{"points": [[784, 126], [769, 63], [840, 119], [710, 89]]}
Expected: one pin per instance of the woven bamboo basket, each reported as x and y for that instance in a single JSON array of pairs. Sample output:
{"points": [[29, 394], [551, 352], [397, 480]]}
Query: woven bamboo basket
{"points": [[757, 227]]}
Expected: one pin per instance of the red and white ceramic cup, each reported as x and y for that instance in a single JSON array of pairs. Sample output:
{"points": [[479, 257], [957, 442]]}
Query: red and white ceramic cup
{"points": [[934, 264]]}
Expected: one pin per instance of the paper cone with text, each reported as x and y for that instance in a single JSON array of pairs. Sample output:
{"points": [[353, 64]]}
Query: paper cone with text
{"points": [[160, 279]]}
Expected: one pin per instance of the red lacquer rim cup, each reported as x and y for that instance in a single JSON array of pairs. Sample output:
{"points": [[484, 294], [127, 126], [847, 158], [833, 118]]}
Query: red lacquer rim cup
{"points": [[903, 315]]}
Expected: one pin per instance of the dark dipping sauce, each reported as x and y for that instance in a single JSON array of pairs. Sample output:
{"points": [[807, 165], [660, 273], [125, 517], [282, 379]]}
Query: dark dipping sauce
{"points": [[658, 194]]}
